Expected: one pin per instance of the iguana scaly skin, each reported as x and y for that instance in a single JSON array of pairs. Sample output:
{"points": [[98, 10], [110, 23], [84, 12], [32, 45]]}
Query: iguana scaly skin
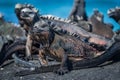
{"points": [[64, 47]]}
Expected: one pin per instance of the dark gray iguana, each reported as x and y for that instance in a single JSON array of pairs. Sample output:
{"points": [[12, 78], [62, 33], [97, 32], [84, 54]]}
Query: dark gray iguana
{"points": [[94, 24], [97, 23], [60, 27], [115, 14], [64, 47], [87, 25], [78, 11]]}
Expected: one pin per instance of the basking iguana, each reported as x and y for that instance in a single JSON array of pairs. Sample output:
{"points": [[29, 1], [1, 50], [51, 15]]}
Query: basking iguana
{"points": [[87, 25], [65, 47], [78, 11], [29, 16], [94, 23], [97, 23], [58, 26], [91, 24], [62, 47], [115, 14]]}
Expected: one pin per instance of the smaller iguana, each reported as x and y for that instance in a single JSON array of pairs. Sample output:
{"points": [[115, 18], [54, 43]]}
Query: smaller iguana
{"points": [[61, 48], [115, 14], [97, 22]]}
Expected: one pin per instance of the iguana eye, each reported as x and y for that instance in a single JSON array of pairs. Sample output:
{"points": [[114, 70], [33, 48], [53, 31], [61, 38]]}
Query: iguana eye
{"points": [[30, 13], [35, 27], [43, 26], [22, 12]]}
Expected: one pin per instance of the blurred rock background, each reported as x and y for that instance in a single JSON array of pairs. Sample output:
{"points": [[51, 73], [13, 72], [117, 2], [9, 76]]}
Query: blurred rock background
{"points": [[9, 31]]}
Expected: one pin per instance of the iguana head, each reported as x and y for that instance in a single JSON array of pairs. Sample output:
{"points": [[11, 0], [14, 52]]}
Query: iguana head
{"points": [[114, 13], [99, 16], [26, 12]]}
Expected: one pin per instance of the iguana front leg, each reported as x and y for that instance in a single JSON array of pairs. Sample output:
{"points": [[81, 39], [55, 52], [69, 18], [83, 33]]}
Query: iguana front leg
{"points": [[42, 57], [28, 46], [64, 65]]}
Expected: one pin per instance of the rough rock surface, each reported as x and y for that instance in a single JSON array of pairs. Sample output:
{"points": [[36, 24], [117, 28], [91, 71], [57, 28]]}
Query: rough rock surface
{"points": [[108, 72], [9, 31]]}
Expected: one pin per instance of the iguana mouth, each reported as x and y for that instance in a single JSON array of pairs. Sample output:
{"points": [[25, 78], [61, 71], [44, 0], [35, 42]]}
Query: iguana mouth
{"points": [[110, 14]]}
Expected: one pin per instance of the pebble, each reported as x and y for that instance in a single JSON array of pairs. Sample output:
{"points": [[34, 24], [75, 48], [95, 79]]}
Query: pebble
{"points": [[21, 77], [32, 68], [44, 76], [1, 69]]}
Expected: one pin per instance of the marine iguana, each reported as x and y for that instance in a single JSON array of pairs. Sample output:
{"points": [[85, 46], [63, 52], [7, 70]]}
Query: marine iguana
{"points": [[97, 23], [68, 45], [81, 23], [115, 14], [92, 24], [27, 12], [73, 30], [78, 12]]}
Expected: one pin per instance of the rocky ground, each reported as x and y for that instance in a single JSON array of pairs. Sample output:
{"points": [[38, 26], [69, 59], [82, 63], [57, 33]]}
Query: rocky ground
{"points": [[108, 72]]}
